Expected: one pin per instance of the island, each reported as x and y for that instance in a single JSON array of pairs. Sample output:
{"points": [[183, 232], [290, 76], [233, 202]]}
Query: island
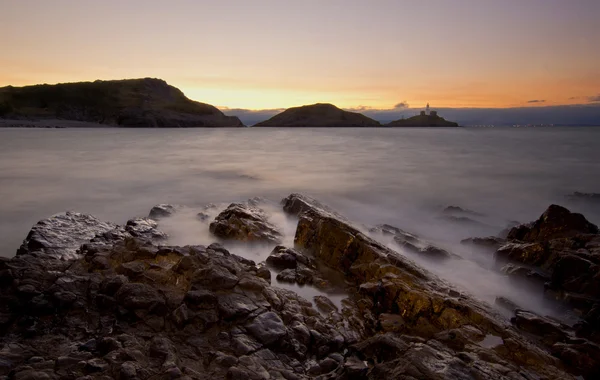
{"points": [[147, 103], [424, 119], [322, 115]]}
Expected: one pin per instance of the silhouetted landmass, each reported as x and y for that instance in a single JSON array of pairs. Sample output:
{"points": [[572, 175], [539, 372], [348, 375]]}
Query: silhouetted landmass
{"points": [[423, 121], [144, 102], [318, 115]]}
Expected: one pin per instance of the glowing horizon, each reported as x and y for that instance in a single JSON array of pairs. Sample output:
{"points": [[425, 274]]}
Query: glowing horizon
{"points": [[271, 55]]}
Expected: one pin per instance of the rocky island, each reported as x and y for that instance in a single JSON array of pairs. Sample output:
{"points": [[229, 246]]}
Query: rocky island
{"points": [[318, 115], [424, 119], [89, 299], [148, 103]]}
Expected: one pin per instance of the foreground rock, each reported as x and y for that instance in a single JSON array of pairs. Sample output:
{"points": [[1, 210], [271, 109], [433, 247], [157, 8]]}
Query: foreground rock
{"points": [[555, 223], [245, 223], [562, 251], [61, 235], [129, 308], [411, 243], [408, 300]]}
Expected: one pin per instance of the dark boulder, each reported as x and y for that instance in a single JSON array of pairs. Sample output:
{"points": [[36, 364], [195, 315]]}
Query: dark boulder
{"points": [[534, 254], [287, 258], [163, 211], [61, 235], [267, 328], [490, 242], [245, 223], [556, 222]]}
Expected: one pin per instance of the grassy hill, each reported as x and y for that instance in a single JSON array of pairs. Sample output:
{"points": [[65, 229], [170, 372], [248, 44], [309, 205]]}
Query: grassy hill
{"points": [[318, 115], [144, 102]]}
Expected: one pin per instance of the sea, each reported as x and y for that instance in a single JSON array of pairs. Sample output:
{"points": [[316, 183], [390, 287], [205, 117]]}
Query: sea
{"points": [[404, 177]]}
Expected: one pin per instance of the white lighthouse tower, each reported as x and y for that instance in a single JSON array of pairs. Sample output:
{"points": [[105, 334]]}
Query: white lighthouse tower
{"points": [[427, 109]]}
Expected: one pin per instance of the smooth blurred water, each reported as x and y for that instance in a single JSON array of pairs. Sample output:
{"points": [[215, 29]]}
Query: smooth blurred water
{"points": [[404, 177]]}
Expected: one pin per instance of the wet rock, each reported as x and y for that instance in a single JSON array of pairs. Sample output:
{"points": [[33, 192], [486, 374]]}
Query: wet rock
{"points": [[324, 304], [145, 228], [507, 304], [548, 330], [586, 197], [268, 328], [140, 296], [245, 223], [462, 220], [530, 275], [583, 357], [490, 242], [214, 277], [287, 258], [456, 210], [391, 322], [163, 211], [61, 235], [534, 254], [202, 312], [556, 222], [399, 234]]}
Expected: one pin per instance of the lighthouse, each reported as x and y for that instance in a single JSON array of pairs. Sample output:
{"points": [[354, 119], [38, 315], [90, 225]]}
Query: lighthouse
{"points": [[427, 109]]}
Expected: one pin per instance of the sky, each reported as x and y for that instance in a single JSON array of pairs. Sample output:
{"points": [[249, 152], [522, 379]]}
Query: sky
{"points": [[273, 54]]}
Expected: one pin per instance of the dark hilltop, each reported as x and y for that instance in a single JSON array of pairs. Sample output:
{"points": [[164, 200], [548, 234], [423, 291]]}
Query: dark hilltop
{"points": [[148, 102], [318, 115]]}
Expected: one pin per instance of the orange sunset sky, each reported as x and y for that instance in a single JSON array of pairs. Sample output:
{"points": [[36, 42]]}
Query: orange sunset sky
{"points": [[277, 54]]}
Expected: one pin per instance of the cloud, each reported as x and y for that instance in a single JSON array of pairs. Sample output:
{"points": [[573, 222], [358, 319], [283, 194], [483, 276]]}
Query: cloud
{"points": [[403, 104], [536, 101], [594, 99]]}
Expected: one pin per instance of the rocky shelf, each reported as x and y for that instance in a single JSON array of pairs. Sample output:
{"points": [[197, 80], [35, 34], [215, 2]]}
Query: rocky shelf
{"points": [[88, 299]]}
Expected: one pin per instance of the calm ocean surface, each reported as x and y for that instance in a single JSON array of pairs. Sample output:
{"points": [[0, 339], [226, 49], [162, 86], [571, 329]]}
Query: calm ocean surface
{"points": [[403, 177]]}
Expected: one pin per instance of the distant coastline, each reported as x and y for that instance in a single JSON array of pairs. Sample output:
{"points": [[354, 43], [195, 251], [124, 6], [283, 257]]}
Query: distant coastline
{"points": [[152, 103]]}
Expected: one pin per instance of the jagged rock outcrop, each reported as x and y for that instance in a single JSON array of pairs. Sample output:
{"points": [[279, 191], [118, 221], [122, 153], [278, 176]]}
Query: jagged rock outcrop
{"points": [[126, 307], [423, 305], [147, 103], [318, 115], [245, 223]]}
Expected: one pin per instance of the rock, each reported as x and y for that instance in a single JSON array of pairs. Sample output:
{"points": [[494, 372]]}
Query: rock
{"points": [[462, 220], [203, 312], [287, 258], [507, 304], [556, 222], [391, 322], [61, 235], [140, 296], [145, 228], [215, 278], [324, 304], [490, 242], [585, 197], [549, 331], [200, 299], [162, 211], [534, 254], [399, 235], [456, 210], [267, 328], [532, 276], [245, 223]]}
